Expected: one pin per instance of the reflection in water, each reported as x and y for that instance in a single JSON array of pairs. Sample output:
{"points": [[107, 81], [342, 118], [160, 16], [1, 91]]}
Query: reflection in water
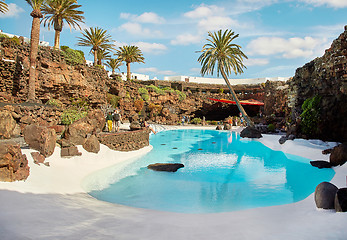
{"points": [[222, 173]]}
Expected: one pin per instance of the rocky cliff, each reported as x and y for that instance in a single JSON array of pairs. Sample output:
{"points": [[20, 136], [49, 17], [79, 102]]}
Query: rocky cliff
{"points": [[55, 78], [325, 77]]}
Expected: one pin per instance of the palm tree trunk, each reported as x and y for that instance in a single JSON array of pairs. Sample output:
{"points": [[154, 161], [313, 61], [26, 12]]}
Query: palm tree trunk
{"points": [[238, 104], [128, 71], [57, 40], [95, 57], [34, 46]]}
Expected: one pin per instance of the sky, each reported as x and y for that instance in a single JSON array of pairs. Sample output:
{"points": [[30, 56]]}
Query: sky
{"points": [[277, 36]]}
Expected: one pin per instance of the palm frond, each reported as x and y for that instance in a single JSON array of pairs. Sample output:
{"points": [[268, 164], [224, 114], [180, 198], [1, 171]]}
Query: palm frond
{"points": [[3, 7]]}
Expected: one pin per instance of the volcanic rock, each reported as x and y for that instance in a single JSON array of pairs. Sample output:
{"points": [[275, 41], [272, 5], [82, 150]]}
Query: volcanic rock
{"points": [[38, 157], [13, 164], [338, 155], [70, 152], [92, 144], [166, 167], [341, 200], [324, 195], [7, 124], [321, 164], [40, 138], [250, 132]]}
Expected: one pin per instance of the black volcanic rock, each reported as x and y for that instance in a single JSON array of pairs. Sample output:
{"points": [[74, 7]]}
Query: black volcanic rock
{"points": [[165, 167]]}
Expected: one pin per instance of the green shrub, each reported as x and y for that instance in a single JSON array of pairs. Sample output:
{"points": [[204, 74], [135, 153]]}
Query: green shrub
{"points": [[310, 115], [196, 121], [72, 57], [221, 90], [71, 115], [271, 127], [156, 89], [181, 95], [3, 36], [55, 102], [168, 90], [145, 97], [80, 103], [15, 40], [112, 100], [142, 90]]}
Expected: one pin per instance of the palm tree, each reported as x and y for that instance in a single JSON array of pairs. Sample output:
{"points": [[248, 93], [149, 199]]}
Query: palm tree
{"points": [[103, 55], [130, 54], [3, 6], [114, 63], [34, 44], [226, 57], [58, 11], [96, 38]]}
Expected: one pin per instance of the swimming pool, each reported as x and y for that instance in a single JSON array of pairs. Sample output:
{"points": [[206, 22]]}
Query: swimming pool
{"points": [[222, 173]]}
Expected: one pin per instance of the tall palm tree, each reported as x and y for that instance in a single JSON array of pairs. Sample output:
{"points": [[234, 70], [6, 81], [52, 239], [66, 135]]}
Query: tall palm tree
{"points": [[3, 6], [34, 44], [96, 38], [130, 54], [57, 11], [226, 57], [114, 63]]}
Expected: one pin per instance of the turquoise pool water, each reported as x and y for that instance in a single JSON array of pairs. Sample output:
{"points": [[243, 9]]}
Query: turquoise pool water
{"points": [[222, 173]]}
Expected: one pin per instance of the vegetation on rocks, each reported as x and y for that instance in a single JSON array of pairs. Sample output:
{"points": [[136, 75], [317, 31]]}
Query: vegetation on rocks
{"points": [[310, 115], [55, 103], [73, 57], [113, 100]]}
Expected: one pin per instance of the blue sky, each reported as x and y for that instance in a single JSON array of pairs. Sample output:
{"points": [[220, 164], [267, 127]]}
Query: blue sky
{"points": [[277, 36]]}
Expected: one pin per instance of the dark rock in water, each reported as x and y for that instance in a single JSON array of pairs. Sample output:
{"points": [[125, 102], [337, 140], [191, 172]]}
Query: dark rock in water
{"points": [[321, 164], [324, 195], [219, 127], [250, 133], [341, 200], [283, 139], [165, 167], [338, 155]]}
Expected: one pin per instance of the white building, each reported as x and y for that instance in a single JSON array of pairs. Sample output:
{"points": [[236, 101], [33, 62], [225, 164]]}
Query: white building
{"points": [[221, 80], [135, 76], [26, 40]]}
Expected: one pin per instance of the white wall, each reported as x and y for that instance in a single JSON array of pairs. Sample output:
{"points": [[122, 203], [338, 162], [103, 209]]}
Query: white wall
{"points": [[221, 81], [135, 76], [27, 40]]}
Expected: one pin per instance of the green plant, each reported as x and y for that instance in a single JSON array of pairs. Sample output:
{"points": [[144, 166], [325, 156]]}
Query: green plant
{"points": [[156, 89], [72, 57], [181, 95], [214, 123], [71, 115], [80, 103], [196, 121], [55, 102], [15, 40], [310, 115], [221, 90], [145, 97], [142, 90], [271, 127], [169, 90], [113, 100]]}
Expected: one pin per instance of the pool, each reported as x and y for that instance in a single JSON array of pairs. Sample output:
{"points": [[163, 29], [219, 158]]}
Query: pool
{"points": [[222, 173]]}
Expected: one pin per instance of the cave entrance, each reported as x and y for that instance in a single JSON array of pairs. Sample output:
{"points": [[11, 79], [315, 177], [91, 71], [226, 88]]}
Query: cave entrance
{"points": [[219, 111]]}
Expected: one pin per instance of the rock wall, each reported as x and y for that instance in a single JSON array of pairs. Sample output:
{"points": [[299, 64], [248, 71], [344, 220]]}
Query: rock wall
{"points": [[125, 141], [55, 78], [325, 76]]}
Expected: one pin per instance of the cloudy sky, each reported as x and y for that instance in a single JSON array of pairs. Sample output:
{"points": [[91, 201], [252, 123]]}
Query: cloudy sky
{"points": [[278, 36]]}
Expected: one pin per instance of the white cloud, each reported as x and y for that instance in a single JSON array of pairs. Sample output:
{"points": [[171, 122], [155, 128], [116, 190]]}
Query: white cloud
{"points": [[329, 3], [137, 29], [215, 23], [204, 11], [146, 17], [155, 71], [186, 39], [153, 48], [256, 62], [288, 48], [13, 11]]}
